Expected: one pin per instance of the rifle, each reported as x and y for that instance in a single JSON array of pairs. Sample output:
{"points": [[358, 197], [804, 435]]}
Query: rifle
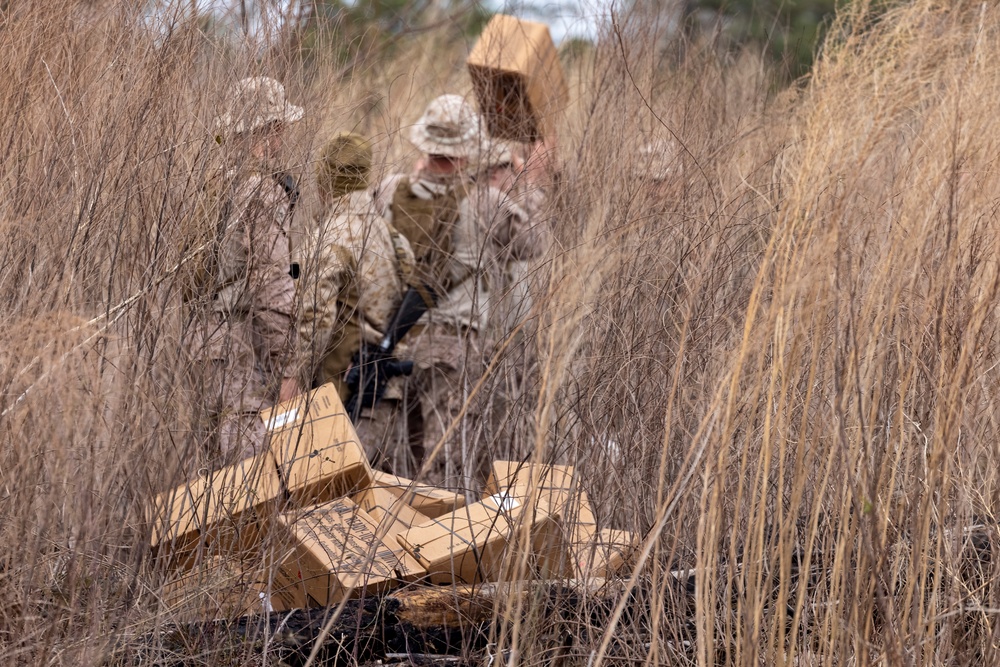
{"points": [[374, 365]]}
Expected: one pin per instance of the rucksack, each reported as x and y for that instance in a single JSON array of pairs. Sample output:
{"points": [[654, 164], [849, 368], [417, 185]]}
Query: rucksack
{"points": [[427, 224], [200, 275]]}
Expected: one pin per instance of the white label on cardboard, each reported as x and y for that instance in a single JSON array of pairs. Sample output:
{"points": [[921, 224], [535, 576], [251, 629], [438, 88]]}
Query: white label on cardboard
{"points": [[283, 420], [504, 502]]}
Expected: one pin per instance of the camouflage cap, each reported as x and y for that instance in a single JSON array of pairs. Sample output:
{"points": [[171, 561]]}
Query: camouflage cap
{"points": [[253, 103], [344, 164], [450, 126]]}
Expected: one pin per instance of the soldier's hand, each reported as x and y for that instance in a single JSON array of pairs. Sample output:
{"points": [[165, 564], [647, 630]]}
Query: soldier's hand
{"points": [[289, 389]]}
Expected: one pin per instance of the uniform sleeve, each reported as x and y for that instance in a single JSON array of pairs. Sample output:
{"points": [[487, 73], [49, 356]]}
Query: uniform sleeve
{"points": [[507, 225], [382, 195], [327, 271], [273, 292]]}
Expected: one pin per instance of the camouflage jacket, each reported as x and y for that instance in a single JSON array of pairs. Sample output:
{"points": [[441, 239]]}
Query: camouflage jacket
{"points": [[350, 287], [253, 285], [493, 229]]}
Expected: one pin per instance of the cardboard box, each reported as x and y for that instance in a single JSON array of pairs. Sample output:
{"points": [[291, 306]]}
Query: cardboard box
{"points": [[389, 510], [505, 474], [475, 543], [518, 79], [605, 555], [333, 553], [315, 448], [430, 501], [219, 512], [555, 485]]}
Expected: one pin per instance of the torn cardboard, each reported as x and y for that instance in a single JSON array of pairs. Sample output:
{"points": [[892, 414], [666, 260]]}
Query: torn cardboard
{"points": [[333, 553], [518, 79], [430, 501], [315, 447]]}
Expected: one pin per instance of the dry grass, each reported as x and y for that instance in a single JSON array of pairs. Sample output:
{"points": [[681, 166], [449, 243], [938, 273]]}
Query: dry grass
{"points": [[785, 359]]}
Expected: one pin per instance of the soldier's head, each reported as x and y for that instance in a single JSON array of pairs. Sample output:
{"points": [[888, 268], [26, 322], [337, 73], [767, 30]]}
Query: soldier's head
{"points": [[448, 134], [256, 115], [345, 165]]}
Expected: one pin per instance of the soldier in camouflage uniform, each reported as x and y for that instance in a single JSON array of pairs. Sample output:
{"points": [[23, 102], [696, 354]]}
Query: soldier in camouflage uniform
{"points": [[463, 257], [423, 206], [355, 266], [245, 328]]}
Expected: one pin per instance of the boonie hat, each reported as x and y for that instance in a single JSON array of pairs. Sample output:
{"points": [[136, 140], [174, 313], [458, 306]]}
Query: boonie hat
{"points": [[254, 102], [449, 126]]}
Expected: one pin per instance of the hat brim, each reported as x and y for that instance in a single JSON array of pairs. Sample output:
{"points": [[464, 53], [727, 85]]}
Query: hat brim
{"points": [[467, 148], [228, 124]]}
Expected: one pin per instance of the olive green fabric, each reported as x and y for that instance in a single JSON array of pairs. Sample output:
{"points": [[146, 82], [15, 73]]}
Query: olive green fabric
{"points": [[427, 224], [344, 165]]}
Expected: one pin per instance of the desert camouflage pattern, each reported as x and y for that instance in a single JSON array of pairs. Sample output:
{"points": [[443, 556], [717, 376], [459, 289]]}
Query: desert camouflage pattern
{"points": [[494, 230], [350, 287], [245, 340]]}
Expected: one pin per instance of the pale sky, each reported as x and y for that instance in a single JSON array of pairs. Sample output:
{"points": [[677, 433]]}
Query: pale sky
{"points": [[565, 18]]}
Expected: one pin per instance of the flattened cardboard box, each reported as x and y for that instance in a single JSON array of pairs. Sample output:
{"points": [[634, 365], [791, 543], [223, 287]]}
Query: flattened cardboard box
{"points": [[478, 543], [518, 79], [334, 553], [430, 501], [221, 511], [315, 447]]}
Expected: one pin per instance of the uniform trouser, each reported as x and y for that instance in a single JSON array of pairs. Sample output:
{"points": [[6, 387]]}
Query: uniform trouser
{"points": [[390, 437], [232, 388], [448, 364]]}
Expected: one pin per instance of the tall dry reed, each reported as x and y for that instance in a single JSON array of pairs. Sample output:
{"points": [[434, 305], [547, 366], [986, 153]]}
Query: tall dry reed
{"points": [[777, 367]]}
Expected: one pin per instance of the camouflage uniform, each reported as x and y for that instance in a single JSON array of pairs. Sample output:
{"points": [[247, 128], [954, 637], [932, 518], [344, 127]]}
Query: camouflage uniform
{"points": [[351, 286], [489, 229], [245, 336]]}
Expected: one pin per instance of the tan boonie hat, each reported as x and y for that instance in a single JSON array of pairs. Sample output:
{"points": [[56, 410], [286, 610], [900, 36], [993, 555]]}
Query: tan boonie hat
{"points": [[658, 159], [449, 126], [254, 102]]}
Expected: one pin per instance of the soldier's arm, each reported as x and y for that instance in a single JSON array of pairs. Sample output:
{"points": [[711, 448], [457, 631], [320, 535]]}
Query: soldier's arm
{"points": [[508, 225], [273, 288], [328, 268]]}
